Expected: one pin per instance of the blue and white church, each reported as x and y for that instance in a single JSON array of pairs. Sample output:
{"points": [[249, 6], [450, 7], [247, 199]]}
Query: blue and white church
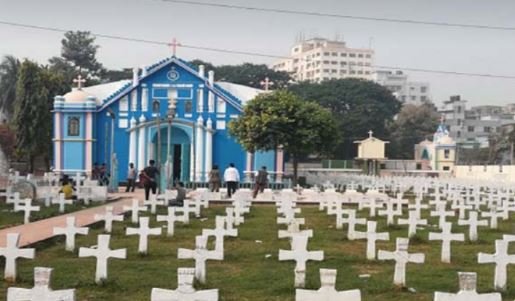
{"points": [[128, 120]]}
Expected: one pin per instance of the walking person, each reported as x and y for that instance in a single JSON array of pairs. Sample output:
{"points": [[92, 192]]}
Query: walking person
{"points": [[231, 178], [131, 178], [215, 179], [261, 181], [149, 177]]}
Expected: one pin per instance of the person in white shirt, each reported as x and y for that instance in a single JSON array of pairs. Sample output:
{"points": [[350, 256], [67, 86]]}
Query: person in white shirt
{"points": [[231, 177]]}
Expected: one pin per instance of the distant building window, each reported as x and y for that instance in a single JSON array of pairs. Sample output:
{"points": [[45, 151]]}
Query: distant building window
{"points": [[470, 129], [403, 98], [360, 64], [334, 71], [188, 106], [367, 64], [343, 63], [352, 72], [334, 62], [446, 168], [352, 54], [326, 53], [367, 72], [446, 153], [73, 126], [487, 129], [326, 62], [360, 72], [458, 109], [458, 134], [334, 54], [413, 98], [343, 54], [459, 121], [423, 98], [343, 71], [360, 55], [500, 168], [423, 89]]}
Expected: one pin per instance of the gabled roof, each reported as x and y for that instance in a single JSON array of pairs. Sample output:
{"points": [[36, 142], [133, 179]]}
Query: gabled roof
{"points": [[241, 92], [122, 89], [104, 91]]}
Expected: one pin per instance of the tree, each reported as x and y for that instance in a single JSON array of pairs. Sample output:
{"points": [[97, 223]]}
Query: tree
{"points": [[79, 49], [31, 113], [247, 74], [358, 105], [9, 68], [282, 119], [413, 125], [61, 66]]}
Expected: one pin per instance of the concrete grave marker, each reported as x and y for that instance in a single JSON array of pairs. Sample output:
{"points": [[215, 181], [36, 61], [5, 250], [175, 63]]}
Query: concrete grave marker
{"points": [[219, 232], [144, 231], [402, 258], [494, 215], [502, 259], [327, 291], [70, 231], [109, 218], [232, 219], [372, 236], [351, 222], [200, 254], [468, 283], [153, 202], [135, 208], [41, 290], [185, 290], [11, 252], [442, 213], [446, 237], [171, 218], [301, 255], [413, 221], [102, 252], [27, 208], [390, 212], [473, 223], [62, 202]]}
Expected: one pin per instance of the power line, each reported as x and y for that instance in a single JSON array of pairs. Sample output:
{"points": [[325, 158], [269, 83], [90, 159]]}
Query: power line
{"points": [[339, 16], [240, 52]]}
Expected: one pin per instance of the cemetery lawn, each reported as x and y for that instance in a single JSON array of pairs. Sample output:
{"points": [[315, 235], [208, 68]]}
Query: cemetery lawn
{"points": [[246, 273], [9, 218]]}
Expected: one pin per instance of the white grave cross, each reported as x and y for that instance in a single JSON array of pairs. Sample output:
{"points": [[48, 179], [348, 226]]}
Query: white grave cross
{"points": [[327, 291], [502, 259], [144, 231], [27, 208], [473, 223], [108, 217], [11, 252], [102, 252], [153, 202], [200, 254], [70, 231], [170, 220], [301, 255], [402, 258], [413, 221], [135, 208], [446, 237], [372, 236], [62, 202], [41, 290], [351, 221], [219, 232]]}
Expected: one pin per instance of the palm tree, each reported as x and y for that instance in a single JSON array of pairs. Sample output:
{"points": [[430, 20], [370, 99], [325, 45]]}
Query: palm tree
{"points": [[9, 68]]}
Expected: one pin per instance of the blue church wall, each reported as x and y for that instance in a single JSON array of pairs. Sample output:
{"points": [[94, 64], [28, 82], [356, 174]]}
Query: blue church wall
{"points": [[264, 159], [226, 150]]}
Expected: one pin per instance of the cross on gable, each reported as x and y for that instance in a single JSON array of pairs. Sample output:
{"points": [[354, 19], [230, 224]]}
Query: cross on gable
{"points": [[174, 44], [266, 84], [185, 290], [11, 252], [79, 81], [102, 253], [41, 290], [370, 133]]}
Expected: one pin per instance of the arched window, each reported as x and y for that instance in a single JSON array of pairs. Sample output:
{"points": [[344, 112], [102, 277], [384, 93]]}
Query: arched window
{"points": [[73, 126]]}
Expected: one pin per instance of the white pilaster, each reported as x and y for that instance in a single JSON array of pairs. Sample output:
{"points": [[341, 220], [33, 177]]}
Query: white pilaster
{"points": [[211, 96], [279, 164], [209, 147], [135, 77], [200, 100], [57, 144], [133, 143], [192, 162], [199, 149], [141, 144], [89, 144], [248, 167]]}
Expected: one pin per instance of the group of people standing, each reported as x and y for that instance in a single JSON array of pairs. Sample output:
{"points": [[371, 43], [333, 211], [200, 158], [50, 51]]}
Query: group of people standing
{"points": [[148, 177], [232, 179]]}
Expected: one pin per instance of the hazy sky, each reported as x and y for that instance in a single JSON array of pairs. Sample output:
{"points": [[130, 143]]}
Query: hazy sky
{"points": [[416, 46]]}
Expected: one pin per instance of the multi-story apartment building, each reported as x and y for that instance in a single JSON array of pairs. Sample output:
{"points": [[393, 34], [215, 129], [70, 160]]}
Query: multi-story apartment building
{"points": [[408, 92], [320, 59], [473, 127]]}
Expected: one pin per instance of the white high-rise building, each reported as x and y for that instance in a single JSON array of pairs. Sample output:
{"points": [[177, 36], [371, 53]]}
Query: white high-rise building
{"points": [[407, 92], [321, 59]]}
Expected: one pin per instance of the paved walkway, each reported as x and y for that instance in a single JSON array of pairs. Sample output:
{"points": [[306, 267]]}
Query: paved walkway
{"points": [[43, 229]]}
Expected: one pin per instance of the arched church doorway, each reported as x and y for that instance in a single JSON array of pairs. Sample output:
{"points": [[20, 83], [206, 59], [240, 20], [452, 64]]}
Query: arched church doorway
{"points": [[180, 152]]}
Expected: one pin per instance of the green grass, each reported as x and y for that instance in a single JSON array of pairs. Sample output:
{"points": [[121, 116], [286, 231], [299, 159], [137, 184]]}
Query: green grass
{"points": [[9, 218], [246, 274]]}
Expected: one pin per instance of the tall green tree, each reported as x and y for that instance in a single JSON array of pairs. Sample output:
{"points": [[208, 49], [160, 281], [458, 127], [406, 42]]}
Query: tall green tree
{"points": [[9, 69], [79, 49], [282, 119], [248, 74], [31, 113], [412, 125], [358, 106]]}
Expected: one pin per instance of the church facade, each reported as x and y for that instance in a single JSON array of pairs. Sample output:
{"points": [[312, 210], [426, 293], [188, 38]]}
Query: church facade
{"points": [[130, 121]]}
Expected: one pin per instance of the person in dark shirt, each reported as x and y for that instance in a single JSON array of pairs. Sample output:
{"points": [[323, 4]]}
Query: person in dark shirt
{"points": [[149, 178], [181, 196]]}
